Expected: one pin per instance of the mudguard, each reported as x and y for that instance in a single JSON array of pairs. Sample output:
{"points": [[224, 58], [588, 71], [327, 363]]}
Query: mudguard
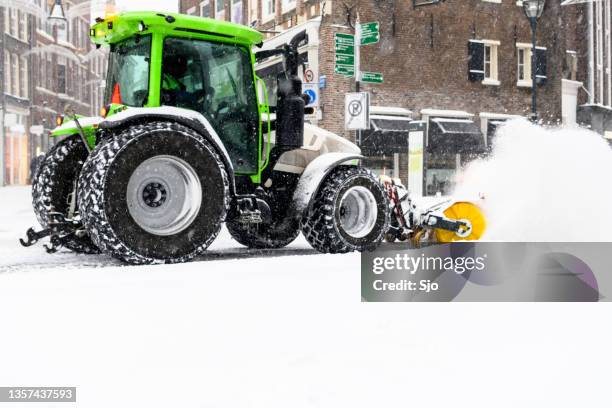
{"points": [[313, 176], [186, 117]]}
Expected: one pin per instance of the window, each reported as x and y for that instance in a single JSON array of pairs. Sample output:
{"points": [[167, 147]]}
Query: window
{"points": [[237, 11], [523, 52], [217, 81], [490, 63], [61, 75], [14, 75], [23, 77], [524, 57], [205, 9], [128, 77], [13, 22], [482, 59], [23, 26], [269, 9], [7, 72], [220, 9]]}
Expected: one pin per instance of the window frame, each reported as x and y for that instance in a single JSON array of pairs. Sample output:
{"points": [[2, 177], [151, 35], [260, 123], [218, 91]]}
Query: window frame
{"points": [[493, 51], [527, 56]]}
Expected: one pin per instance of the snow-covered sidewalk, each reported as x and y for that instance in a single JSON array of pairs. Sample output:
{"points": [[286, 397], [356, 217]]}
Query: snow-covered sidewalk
{"points": [[276, 331]]}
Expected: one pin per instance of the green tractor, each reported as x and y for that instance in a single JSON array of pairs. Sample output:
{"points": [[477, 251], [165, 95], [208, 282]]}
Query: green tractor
{"points": [[188, 141]]}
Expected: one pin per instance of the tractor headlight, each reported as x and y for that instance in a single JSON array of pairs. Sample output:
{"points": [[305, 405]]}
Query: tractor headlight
{"points": [[142, 26]]}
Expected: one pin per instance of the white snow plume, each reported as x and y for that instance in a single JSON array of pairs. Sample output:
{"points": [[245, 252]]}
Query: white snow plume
{"points": [[544, 185]]}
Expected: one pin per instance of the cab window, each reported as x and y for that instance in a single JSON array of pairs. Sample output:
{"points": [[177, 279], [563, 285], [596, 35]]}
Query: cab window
{"points": [[128, 72], [216, 80]]}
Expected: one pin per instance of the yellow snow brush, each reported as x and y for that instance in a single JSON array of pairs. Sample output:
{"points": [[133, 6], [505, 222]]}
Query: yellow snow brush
{"points": [[474, 223]]}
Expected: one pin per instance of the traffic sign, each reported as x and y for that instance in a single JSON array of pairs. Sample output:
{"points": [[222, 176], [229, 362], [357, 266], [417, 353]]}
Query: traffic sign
{"points": [[372, 77], [345, 38], [345, 54], [345, 59], [357, 111], [345, 49], [312, 90], [308, 75], [346, 70], [370, 33]]}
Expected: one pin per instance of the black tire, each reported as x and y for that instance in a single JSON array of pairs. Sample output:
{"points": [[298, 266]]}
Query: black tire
{"points": [[277, 234], [104, 193], [53, 183], [324, 225]]}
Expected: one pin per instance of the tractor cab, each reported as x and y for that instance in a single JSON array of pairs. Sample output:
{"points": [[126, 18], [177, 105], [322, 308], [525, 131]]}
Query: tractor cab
{"points": [[191, 64]]}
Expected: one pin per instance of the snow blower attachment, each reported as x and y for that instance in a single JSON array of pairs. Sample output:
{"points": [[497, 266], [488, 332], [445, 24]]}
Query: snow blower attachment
{"points": [[441, 221], [188, 142]]}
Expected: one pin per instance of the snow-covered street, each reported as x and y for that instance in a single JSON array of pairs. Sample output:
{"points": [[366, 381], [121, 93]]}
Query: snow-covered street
{"points": [[283, 329]]}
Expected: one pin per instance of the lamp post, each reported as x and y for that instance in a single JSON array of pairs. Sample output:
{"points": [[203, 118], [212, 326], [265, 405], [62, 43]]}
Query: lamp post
{"points": [[57, 12], [533, 10]]}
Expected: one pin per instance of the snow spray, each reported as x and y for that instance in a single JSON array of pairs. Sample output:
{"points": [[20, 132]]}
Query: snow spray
{"points": [[543, 184]]}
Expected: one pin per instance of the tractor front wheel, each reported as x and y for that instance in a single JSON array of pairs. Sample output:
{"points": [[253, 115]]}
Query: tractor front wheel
{"points": [[154, 193], [349, 213], [53, 186]]}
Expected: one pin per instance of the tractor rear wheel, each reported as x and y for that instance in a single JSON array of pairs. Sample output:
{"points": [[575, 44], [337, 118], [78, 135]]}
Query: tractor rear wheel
{"points": [[53, 186], [349, 213], [154, 193]]}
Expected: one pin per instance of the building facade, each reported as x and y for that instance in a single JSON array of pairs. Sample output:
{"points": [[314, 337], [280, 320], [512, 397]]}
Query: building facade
{"points": [[47, 69], [462, 67], [597, 112]]}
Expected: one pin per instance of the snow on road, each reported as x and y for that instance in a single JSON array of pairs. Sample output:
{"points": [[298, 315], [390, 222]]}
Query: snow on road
{"points": [[267, 331]]}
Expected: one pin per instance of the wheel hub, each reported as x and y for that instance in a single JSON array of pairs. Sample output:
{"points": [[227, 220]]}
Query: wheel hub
{"points": [[164, 195], [358, 212], [154, 195]]}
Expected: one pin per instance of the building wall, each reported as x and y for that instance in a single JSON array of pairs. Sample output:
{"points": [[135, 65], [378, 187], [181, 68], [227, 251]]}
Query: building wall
{"points": [[55, 81], [423, 54]]}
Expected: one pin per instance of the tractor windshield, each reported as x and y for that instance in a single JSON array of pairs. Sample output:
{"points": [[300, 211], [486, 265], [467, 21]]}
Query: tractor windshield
{"points": [[127, 81], [216, 80]]}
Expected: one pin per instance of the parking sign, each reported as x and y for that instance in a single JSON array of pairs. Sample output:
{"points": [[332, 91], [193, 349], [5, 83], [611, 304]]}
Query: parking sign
{"points": [[357, 111]]}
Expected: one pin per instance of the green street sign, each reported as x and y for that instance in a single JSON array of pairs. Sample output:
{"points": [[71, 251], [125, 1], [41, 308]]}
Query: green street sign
{"points": [[348, 39], [372, 77], [370, 33], [345, 60], [344, 49], [346, 70]]}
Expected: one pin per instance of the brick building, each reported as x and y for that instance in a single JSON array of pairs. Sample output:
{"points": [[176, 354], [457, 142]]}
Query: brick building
{"points": [[45, 68], [456, 64]]}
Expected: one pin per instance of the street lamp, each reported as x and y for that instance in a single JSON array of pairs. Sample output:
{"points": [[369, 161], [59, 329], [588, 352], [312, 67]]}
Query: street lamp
{"points": [[533, 10], [57, 12]]}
